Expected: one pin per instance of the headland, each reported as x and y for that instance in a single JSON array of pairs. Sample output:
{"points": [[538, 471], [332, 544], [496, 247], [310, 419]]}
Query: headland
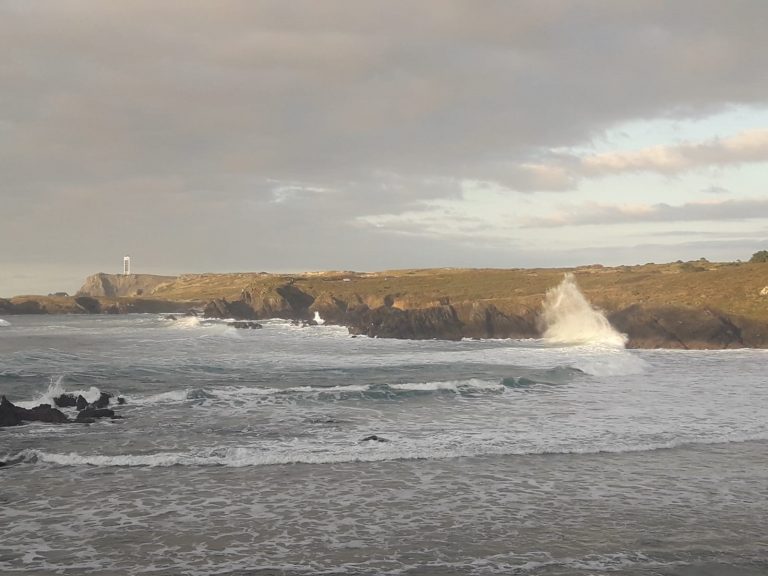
{"points": [[696, 305]]}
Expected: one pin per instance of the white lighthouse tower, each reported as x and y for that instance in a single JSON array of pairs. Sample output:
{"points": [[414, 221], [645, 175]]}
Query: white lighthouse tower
{"points": [[126, 265]]}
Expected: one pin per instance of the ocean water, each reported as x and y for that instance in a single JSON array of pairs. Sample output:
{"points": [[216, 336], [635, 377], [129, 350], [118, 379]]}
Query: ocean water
{"points": [[242, 452]]}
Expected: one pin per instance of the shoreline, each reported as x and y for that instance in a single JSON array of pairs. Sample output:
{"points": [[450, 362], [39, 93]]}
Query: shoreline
{"points": [[699, 305]]}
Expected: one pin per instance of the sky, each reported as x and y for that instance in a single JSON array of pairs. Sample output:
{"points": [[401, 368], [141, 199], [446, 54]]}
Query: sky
{"points": [[280, 136]]}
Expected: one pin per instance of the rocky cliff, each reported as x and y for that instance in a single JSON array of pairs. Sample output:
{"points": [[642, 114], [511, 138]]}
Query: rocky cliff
{"points": [[121, 285]]}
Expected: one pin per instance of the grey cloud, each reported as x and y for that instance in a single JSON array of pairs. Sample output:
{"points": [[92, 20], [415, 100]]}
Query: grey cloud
{"points": [[602, 214], [161, 125]]}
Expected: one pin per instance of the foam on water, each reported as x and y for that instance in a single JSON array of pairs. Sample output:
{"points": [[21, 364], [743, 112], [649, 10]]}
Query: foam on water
{"points": [[242, 393], [433, 448], [4, 323], [319, 319], [571, 319]]}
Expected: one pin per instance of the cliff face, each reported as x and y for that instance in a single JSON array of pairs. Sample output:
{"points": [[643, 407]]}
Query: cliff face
{"points": [[118, 285]]}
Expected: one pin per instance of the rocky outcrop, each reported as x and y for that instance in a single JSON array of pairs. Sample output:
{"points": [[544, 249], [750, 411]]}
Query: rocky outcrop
{"points": [[91, 414], [89, 304], [686, 328], [8, 416], [12, 415], [484, 320], [279, 301], [221, 308], [440, 322], [331, 309], [118, 285]]}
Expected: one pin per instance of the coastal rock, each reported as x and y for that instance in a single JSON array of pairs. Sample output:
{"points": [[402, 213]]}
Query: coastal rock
{"points": [[65, 401], [677, 327], [222, 308], [8, 416], [241, 324], [81, 403], [439, 322], [89, 304], [374, 438], [12, 415], [330, 308], [91, 413], [103, 400], [118, 285], [482, 320], [283, 300]]}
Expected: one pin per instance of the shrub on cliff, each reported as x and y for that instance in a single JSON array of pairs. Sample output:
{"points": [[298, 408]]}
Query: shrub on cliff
{"points": [[761, 256]]}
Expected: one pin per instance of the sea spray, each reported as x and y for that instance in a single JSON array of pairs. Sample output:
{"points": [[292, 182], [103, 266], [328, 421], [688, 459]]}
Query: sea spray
{"points": [[570, 319], [55, 389]]}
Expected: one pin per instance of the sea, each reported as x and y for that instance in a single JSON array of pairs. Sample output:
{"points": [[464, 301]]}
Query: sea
{"points": [[250, 452]]}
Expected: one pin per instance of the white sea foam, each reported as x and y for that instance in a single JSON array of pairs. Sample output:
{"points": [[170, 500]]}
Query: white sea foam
{"points": [[4, 323], [319, 319], [238, 393], [55, 389], [442, 447], [187, 322], [473, 384], [571, 319]]}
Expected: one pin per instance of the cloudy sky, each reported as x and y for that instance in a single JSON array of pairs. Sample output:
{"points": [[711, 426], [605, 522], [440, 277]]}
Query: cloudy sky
{"points": [[311, 135]]}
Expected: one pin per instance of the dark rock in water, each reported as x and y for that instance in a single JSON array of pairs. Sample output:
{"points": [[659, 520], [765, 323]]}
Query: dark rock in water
{"points": [[199, 394], [42, 413], [374, 438], [65, 401], [120, 400], [307, 323], [171, 317], [416, 324], [90, 413], [103, 400], [81, 403], [191, 313], [245, 325], [8, 415]]}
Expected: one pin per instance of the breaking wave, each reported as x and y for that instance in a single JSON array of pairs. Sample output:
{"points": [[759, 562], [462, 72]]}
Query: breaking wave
{"points": [[443, 447], [55, 389], [557, 376], [571, 319], [4, 323]]}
